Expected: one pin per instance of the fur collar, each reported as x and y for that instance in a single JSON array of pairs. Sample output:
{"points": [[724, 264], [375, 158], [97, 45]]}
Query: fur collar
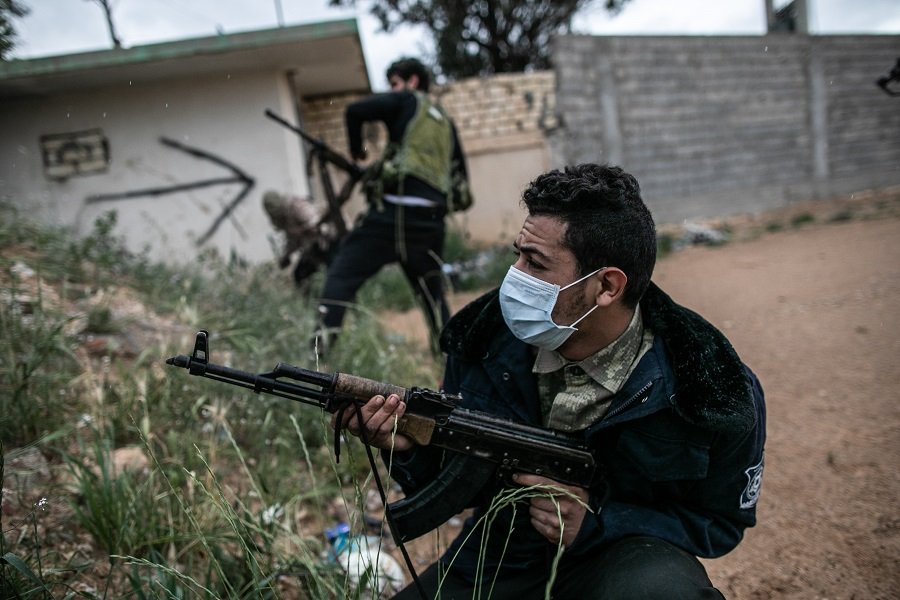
{"points": [[712, 388]]}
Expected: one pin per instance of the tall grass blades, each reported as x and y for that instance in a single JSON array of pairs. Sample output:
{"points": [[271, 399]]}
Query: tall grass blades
{"points": [[36, 364], [225, 493]]}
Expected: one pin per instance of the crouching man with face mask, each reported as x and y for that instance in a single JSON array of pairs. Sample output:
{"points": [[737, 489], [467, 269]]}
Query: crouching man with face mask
{"points": [[578, 339]]}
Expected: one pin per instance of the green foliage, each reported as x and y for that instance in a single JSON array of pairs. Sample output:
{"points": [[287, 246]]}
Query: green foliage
{"points": [[458, 246], [36, 366], [196, 520], [9, 9], [100, 320], [802, 219], [841, 216], [387, 290], [665, 245], [484, 37], [474, 267], [117, 509], [22, 564], [485, 271], [18, 580]]}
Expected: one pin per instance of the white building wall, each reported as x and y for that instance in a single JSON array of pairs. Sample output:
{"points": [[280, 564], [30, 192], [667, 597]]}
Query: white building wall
{"points": [[221, 115]]}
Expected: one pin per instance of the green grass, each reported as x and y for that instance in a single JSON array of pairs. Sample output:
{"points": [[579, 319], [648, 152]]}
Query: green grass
{"points": [[194, 520], [665, 244], [842, 216], [36, 365], [801, 219]]}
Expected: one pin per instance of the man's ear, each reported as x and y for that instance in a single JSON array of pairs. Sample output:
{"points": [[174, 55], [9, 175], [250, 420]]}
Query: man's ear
{"points": [[612, 286], [413, 81]]}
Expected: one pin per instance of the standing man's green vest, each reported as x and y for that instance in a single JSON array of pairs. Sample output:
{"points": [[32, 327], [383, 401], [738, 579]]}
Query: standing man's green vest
{"points": [[426, 153]]}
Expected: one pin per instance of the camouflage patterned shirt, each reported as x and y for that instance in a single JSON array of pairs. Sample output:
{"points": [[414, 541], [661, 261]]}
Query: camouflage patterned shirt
{"points": [[576, 394]]}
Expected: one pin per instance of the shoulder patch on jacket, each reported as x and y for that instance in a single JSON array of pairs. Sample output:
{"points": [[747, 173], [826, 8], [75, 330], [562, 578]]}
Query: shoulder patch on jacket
{"points": [[754, 474]]}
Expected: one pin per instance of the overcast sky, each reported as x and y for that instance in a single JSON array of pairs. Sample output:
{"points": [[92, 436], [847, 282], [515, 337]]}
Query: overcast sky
{"points": [[56, 27]]}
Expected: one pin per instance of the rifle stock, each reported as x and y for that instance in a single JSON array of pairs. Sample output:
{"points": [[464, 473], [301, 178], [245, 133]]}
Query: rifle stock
{"points": [[481, 446]]}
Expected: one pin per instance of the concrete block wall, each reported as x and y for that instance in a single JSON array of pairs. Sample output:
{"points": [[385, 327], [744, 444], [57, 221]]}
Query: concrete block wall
{"points": [[721, 125], [509, 109], [863, 123], [323, 118], [502, 122]]}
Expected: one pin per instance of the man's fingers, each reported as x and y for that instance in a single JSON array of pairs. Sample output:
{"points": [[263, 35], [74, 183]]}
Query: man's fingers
{"points": [[350, 416], [374, 422], [526, 479], [542, 503], [549, 527], [377, 416], [381, 421], [554, 488]]}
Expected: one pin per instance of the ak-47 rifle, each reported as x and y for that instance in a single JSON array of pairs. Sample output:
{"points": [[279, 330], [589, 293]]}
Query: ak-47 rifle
{"points": [[481, 446], [324, 154]]}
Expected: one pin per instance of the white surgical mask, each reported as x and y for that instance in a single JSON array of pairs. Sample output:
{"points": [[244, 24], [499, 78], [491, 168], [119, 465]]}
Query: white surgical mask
{"points": [[527, 305]]}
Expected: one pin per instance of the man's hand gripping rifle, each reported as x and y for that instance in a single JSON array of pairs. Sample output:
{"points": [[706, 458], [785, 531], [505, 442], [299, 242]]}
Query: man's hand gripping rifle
{"points": [[480, 446]]}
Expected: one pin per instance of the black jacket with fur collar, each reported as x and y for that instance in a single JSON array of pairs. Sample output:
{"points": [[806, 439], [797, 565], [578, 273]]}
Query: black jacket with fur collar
{"points": [[680, 452], [713, 390]]}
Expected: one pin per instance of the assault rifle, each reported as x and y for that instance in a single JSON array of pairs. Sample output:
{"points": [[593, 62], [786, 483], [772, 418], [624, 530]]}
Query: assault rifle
{"points": [[324, 155], [481, 446]]}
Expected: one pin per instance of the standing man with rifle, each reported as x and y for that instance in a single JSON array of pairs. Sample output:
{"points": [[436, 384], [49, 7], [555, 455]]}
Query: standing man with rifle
{"points": [[577, 339], [422, 175]]}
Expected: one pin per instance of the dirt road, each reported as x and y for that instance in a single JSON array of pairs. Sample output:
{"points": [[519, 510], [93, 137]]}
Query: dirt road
{"points": [[815, 311]]}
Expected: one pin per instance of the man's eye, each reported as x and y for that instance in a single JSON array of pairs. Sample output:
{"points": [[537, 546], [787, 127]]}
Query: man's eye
{"points": [[533, 264]]}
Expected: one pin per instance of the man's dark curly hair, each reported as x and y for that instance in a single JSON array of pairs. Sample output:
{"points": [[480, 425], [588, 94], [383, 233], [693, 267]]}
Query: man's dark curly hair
{"points": [[406, 68], [608, 224]]}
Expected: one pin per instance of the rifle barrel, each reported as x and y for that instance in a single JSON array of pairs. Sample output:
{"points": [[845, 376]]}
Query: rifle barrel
{"points": [[318, 393], [320, 146]]}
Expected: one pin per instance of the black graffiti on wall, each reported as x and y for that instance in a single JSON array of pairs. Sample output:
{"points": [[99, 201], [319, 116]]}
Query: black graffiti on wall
{"points": [[74, 153], [891, 83], [238, 176]]}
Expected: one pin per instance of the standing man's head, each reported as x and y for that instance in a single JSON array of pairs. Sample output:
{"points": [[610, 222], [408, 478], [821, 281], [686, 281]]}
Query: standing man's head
{"points": [[408, 74]]}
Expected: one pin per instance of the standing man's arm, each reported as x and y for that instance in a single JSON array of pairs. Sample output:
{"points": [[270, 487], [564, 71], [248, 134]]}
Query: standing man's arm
{"points": [[386, 108]]}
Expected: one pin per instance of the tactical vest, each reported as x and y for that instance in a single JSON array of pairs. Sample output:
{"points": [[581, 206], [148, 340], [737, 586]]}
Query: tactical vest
{"points": [[426, 152], [427, 147]]}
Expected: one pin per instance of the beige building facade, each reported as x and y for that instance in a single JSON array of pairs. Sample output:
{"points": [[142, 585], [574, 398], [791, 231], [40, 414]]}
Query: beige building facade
{"points": [[172, 136]]}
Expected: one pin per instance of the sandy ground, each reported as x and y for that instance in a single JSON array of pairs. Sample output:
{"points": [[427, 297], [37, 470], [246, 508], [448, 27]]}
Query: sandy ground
{"points": [[815, 314], [814, 311]]}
